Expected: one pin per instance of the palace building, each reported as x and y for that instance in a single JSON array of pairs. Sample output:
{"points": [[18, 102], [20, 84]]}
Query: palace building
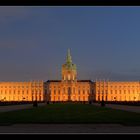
{"points": [[117, 91], [22, 91], [69, 88]]}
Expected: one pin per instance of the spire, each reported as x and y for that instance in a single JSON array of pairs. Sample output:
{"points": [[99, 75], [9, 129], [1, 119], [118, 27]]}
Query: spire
{"points": [[69, 60]]}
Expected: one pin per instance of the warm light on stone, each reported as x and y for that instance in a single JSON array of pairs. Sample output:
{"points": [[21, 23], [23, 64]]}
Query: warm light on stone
{"points": [[21, 91], [69, 88]]}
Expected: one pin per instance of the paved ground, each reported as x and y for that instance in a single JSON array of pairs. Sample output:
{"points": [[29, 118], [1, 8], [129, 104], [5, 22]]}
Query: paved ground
{"points": [[26, 106], [69, 129], [17, 107], [122, 107]]}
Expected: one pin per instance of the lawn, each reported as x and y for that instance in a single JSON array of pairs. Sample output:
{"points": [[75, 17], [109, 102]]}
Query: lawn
{"points": [[70, 113]]}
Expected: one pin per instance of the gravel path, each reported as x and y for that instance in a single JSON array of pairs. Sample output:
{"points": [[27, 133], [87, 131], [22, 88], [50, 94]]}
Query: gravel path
{"points": [[17, 107], [122, 107], [69, 129]]}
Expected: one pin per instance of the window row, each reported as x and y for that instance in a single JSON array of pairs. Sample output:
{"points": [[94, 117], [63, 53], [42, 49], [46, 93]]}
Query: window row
{"points": [[118, 91], [19, 92], [117, 86], [118, 98], [64, 91]]}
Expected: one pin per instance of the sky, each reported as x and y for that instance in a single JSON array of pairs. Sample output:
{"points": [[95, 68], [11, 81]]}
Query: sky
{"points": [[104, 42]]}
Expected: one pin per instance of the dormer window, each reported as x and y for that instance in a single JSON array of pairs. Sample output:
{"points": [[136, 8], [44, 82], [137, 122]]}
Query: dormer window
{"points": [[68, 76]]}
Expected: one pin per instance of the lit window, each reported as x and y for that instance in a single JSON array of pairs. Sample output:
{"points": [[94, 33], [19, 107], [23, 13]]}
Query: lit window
{"points": [[73, 77], [98, 98], [68, 76], [79, 91], [83, 91], [106, 98]]}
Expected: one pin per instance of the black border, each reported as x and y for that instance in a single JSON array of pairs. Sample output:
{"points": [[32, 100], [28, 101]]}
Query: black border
{"points": [[69, 2], [69, 136]]}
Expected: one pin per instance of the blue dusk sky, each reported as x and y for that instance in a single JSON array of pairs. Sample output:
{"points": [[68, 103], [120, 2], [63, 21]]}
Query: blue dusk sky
{"points": [[104, 42]]}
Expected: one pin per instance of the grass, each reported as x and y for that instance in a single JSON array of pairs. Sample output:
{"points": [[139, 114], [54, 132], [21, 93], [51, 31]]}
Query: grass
{"points": [[70, 113]]}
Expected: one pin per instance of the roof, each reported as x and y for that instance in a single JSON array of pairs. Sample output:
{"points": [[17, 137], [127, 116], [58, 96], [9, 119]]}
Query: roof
{"points": [[84, 81], [53, 81], [61, 81]]}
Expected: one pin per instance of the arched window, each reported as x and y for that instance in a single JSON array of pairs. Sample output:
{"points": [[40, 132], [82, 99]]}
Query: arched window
{"points": [[73, 90], [68, 76], [69, 91], [120, 91], [54, 91], [64, 77], [58, 98], [73, 77], [58, 91], [83, 91], [106, 97], [124, 91], [79, 91], [98, 98]]}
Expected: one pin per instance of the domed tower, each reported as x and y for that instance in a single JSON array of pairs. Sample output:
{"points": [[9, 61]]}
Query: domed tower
{"points": [[69, 70]]}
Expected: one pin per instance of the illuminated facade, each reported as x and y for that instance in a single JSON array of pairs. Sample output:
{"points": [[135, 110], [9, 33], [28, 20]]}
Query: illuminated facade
{"points": [[69, 88], [117, 91], [22, 91]]}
